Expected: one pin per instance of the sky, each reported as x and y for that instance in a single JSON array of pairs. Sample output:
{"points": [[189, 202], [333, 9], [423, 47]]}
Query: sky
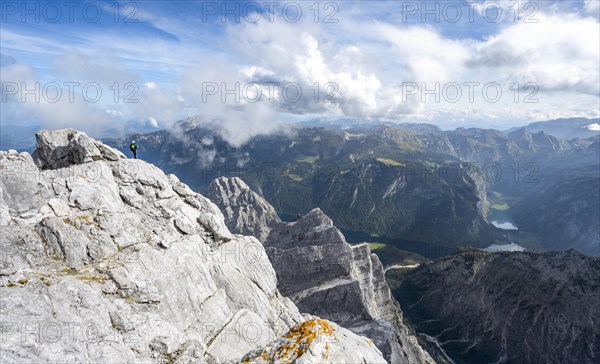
{"points": [[253, 65]]}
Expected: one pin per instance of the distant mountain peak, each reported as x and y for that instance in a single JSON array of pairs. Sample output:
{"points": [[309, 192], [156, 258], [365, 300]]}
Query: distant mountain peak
{"points": [[565, 128]]}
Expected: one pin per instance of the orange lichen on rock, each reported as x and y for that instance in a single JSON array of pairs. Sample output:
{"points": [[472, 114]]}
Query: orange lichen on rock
{"points": [[296, 342]]}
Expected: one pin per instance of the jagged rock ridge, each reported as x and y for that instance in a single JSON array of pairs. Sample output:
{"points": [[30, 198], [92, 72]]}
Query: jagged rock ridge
{"points": [[322, 273], [106, 259], [246, 212]]}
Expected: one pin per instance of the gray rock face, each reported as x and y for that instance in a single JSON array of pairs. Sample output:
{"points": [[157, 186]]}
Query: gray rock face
{"points": [[106, 259], [66, 147], [327, 277], [245, 212], [508, 307]]}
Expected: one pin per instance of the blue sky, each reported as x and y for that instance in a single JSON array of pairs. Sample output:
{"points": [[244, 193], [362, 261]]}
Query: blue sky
{"points": [[376, 59]]}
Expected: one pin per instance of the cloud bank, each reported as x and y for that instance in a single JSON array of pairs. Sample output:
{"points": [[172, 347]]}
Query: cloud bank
{"points": [[252, 76]]}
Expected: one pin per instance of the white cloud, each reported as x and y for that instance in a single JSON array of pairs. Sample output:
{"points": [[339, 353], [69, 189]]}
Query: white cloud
{"points": [[592, 7], [82, 68], [428, 56], [53, 107], [113, 112], [558, 53], [288, 53], [153, 122], [593, 127], [153, 101], [150, 86], [236, 120], [368, 61]]}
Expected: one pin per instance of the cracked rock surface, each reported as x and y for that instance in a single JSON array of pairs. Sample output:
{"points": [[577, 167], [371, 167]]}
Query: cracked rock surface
{"points": [[320, 272], [107, 259]]}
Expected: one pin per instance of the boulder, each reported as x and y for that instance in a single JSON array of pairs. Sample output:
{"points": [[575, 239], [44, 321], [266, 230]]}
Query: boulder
{"points": [[62, 148], [317, 341]]}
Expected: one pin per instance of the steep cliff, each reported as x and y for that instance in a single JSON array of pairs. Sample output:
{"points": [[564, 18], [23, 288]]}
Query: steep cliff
{"points": [[323, 274], [246, 212]]}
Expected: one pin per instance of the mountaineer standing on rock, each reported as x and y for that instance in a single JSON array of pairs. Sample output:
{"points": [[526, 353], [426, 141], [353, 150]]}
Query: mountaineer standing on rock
{"points": [[133, 147]]}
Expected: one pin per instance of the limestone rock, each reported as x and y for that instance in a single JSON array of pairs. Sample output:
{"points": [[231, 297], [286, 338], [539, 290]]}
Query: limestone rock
{"points": [[66, 147], [245, 212], [327, 277], [106, 259], [320, 272], [317, 341]]}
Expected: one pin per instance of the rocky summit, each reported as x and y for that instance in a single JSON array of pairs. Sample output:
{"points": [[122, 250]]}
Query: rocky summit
{"points": [[321, 272], [107, 259]]}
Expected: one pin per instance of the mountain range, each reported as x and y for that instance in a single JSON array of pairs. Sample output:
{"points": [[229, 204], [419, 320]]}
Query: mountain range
{"points": [[568, 128], [517, 307], [109, 259], [473, 307], [411, 184]]}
